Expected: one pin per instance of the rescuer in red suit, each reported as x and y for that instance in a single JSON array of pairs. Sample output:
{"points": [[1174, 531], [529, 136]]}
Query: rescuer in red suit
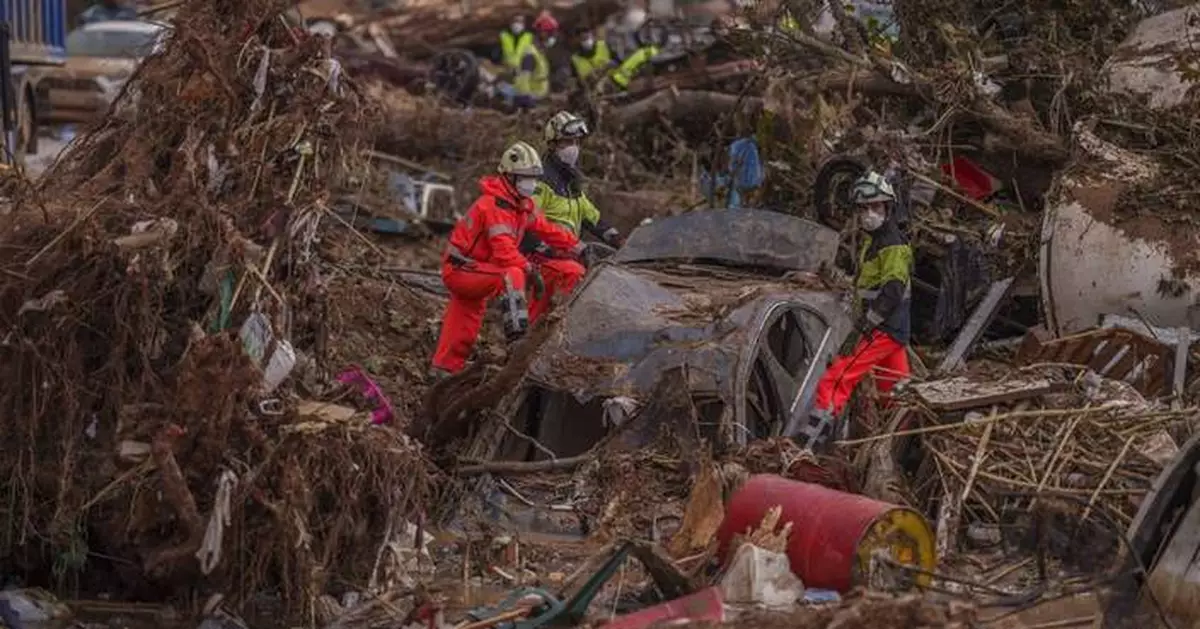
{"points": [[482, 260]]}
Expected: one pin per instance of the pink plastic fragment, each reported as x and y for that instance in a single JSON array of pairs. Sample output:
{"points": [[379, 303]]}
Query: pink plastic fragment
{"points": [[383, 412]]}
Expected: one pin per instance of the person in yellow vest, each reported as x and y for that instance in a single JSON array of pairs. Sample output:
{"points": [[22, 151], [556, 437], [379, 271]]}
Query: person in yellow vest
{"points": [[633, 64], [787, 23], [512, 41], [591, 58], [532, 82]]}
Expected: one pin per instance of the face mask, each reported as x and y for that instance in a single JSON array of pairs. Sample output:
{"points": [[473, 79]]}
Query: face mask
{"points": [[551, 40], [525, 187], [872, 220], [517, 27], [588, 44], [569, 154]]}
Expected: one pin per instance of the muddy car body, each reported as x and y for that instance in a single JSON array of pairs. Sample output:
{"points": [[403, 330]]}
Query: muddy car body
{"points": [[101, 57], [729, 297]]}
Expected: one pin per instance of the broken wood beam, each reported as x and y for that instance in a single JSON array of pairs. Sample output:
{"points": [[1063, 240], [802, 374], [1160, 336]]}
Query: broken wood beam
{"points": [[678, 104], [962, 392], [524, 467], [975, 326], [1182, 348]]}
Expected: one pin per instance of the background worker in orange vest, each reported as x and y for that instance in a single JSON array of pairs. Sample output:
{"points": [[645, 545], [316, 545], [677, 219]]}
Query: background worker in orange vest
{"points": [[482, 261]]}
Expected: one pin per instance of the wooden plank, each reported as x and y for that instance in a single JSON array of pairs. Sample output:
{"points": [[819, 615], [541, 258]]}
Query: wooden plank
{"points": [[1181, 356], [976, 324], [964, 392], [1034, 345]]}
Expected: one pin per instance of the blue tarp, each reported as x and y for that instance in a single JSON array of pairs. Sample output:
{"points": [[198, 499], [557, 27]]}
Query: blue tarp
{"points": [[745, 173]]}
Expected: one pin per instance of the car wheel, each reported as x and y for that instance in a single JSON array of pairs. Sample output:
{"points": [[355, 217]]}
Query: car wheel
{"points": [[774, 379], [831, 190], [831, 194], [455, 73]]}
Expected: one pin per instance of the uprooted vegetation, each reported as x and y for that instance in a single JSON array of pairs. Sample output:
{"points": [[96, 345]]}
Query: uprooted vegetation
{"points": [[133, 409]]}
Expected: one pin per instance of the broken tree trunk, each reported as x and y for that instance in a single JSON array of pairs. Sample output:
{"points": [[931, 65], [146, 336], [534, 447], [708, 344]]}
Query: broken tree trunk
{"points": [[679, 104], [874, 76]]}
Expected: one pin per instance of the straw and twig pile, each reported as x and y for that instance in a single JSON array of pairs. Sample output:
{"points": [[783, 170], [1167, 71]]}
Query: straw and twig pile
{"points": [[1089, 456], [199, 199]]}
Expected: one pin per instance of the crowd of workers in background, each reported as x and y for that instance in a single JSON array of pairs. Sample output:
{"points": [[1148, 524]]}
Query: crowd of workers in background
{"points": [[533, 72]]}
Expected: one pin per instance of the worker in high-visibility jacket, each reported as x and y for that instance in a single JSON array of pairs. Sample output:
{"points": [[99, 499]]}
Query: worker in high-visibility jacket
{"points": [[513, 41], [633, 64], [787, 23], [591, 58], [482, 260], [883, 300], [532, 82], [560, 196]]}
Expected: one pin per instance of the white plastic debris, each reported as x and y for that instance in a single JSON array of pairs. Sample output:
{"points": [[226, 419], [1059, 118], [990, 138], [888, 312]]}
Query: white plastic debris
{"points": [[762, 578], [618, 410], [33, 605]]}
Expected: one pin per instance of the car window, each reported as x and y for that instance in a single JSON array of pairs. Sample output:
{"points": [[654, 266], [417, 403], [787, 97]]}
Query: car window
{"points": [[105, 43]]}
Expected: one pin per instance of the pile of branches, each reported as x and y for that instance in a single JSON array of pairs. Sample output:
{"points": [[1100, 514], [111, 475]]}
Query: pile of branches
{"points": [[466, 144], [134, 413], [1083, 459]]}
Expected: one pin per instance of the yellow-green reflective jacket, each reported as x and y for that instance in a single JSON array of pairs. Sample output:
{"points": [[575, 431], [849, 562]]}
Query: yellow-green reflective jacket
{"points": [[585, 66], [533, 79], [562, 199], [633, 64], [886, 257], [511, 46]]}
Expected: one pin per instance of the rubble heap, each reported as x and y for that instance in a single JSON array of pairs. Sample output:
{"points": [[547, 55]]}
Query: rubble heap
{"points": [[147, 429]]}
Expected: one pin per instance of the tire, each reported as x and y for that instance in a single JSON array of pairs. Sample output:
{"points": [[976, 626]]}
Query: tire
{"points": [[831, 189], [765, 399], [455, 73]]}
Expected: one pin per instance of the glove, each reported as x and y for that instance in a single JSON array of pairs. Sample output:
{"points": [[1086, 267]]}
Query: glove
{"points": [[868, 322], [534, 277], [613, 238]]}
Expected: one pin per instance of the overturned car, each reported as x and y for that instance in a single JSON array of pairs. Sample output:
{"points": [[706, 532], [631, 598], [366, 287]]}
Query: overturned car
{"points": [[726, 304]]}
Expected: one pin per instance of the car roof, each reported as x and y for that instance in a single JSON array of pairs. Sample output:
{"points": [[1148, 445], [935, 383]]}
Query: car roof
{"points": [[125, 26]]}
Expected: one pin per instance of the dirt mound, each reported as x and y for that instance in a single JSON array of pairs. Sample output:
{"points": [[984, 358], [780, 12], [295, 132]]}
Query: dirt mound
{"points": [[140, 426]]}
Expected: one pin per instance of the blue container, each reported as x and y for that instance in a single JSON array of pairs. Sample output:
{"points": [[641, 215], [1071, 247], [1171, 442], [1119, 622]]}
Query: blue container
{"points": [[38, 30]]}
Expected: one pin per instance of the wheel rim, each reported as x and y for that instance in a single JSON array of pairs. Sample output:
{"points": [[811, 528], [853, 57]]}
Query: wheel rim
{"points": [[775, 379], [838, 200], [450, 73]]}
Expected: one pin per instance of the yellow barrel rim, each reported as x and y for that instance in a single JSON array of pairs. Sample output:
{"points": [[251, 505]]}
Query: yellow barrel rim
{"points": [[906, 537]]}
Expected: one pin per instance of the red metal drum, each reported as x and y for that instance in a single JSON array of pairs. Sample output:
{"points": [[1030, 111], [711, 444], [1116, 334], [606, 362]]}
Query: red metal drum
{"points": [[834, 534]]}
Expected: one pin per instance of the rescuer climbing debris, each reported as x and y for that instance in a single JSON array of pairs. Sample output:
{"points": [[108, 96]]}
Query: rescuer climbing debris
{"points": [[482, 260]]}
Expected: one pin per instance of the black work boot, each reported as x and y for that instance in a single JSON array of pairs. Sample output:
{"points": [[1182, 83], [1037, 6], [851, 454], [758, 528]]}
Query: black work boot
{"points": [[515, 315]]}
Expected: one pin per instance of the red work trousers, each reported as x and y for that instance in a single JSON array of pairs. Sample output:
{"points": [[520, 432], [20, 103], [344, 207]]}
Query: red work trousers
{"points": [[470, 286], [560, 276], [876, 351]]}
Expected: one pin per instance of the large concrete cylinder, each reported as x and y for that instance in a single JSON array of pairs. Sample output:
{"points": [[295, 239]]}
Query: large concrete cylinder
{"points": [[1105, 251]]}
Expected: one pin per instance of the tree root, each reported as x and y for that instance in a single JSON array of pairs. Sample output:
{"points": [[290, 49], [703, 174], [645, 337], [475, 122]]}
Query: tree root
{"points": [[176, 493]]}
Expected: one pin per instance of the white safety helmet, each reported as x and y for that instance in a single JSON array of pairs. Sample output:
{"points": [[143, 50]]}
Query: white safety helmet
{"points": [[565, 126], [872, 188], [522, 160], [633, 19]]}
